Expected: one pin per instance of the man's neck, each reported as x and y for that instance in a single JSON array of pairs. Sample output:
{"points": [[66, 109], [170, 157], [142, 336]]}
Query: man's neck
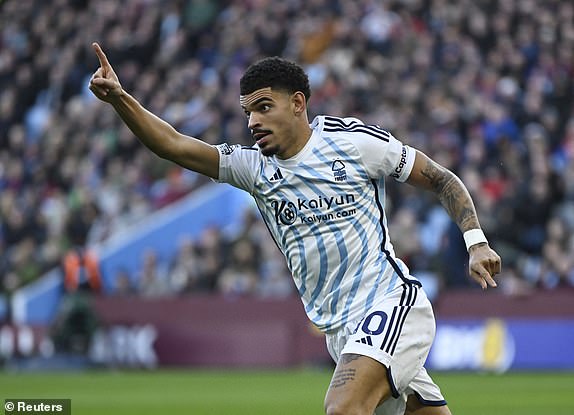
{"points": [[300, 139]]}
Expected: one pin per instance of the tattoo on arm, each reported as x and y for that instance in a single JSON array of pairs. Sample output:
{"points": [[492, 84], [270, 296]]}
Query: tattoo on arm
{"points": [[343, 375], [348, 358], [452, 194]]}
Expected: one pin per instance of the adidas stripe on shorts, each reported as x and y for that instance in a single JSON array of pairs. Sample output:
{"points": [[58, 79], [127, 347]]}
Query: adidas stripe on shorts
{"points": [[397, 331]]}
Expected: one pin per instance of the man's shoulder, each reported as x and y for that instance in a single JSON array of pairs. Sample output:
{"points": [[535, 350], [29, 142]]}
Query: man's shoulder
{"points": [[350, 128], [332, 121]]}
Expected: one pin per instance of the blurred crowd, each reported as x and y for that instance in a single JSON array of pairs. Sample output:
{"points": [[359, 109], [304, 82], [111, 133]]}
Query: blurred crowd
{"points": [[484, 87], [246, 262]]}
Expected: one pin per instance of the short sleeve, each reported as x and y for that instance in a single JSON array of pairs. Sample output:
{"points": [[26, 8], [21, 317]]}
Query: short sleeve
{"points": [[238, 165], [384, 155]]}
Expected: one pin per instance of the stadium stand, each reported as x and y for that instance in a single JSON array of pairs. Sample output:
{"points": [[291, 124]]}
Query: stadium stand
{"points": [[485, 88]]}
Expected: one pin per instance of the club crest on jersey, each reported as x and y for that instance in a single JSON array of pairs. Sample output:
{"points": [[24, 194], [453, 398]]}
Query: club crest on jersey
{"points": [[339, 171]]}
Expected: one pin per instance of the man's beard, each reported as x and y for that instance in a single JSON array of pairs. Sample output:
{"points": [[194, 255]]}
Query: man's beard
{"points": [[269, 150]]}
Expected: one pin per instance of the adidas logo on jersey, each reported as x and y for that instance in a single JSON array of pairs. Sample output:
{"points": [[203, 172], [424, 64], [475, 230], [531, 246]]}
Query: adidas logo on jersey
{"points": [[276, 176], [365, 340]]}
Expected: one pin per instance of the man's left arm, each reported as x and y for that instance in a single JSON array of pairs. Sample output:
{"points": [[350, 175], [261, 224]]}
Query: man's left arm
{"points": [[484, 263]]}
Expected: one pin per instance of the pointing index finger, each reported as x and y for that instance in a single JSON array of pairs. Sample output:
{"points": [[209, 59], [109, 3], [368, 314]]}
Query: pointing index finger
{"points": [[101, 56]]}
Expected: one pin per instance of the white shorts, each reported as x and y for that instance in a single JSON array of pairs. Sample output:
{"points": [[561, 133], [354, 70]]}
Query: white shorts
{"points": [[397, 331]]}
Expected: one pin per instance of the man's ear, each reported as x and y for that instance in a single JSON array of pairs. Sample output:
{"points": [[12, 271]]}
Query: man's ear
{"points": [[299, 103]]}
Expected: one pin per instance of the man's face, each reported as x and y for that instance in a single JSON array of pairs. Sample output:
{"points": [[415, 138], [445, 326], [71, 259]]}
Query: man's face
{"points": [[271, 120]]}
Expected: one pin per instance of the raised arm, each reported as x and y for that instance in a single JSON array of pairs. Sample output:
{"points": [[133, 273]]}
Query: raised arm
{"points": [[156, 134], [484, 263]]}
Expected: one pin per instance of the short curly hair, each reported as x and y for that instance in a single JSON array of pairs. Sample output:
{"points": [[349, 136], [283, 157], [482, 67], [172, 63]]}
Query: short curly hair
{"points": [[277, 73]]}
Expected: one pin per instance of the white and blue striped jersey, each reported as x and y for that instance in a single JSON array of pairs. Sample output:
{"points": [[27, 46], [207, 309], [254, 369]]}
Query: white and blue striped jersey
{"points": [[325, 209]]}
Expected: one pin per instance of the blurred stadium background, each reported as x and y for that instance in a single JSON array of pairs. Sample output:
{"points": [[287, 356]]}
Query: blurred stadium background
{"points": [[183, 291]]}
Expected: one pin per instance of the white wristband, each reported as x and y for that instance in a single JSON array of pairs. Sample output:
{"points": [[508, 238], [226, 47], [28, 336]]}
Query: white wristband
{"points": [[473, 237]]}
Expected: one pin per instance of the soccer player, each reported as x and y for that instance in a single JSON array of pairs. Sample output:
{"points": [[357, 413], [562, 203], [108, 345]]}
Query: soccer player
{"points": [[320, 189]]}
